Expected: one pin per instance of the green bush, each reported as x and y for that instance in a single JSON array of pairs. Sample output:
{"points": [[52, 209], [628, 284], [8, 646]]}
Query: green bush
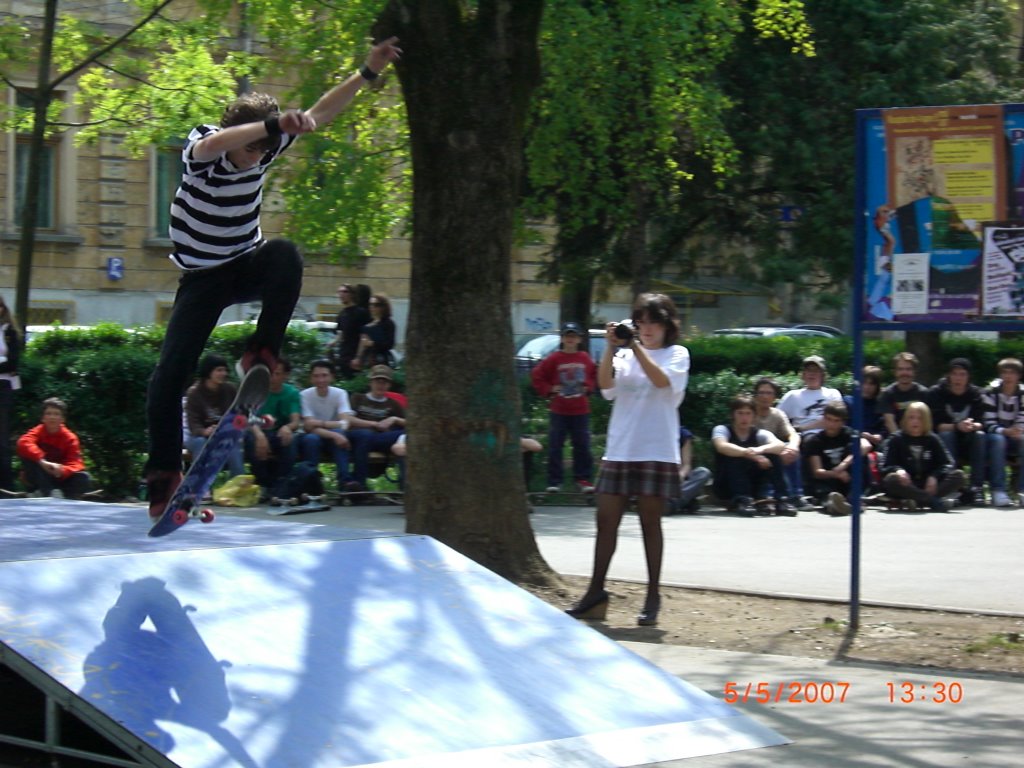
{"points": [[102, 373]]}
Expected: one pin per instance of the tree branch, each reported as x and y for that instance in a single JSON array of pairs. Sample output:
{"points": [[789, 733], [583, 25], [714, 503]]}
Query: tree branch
{"points": [[96, 55]]}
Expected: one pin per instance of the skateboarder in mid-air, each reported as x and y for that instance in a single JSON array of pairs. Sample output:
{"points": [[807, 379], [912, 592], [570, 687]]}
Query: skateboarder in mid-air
{"points": [[218, 244]]}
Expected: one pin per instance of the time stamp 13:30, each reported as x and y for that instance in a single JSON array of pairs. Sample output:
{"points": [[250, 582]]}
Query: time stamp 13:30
{"points": [[836, 692]]}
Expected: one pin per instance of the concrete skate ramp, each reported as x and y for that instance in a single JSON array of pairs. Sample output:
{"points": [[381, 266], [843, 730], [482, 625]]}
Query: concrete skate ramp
{"points": [[389, 650]]}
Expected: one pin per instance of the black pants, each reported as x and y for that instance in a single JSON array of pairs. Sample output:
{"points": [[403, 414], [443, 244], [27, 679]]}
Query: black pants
{"points": [[947, 485], [737, 476], [273, 274], [72, 486]]}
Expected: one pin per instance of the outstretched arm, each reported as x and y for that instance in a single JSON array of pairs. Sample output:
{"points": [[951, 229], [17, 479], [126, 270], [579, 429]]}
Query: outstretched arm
{"points": [[332, 103], [296, 121]]}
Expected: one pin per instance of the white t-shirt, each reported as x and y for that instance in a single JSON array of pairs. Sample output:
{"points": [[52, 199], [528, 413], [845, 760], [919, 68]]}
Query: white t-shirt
{"points": [[327, 408], [804, 406], [645, 419]]}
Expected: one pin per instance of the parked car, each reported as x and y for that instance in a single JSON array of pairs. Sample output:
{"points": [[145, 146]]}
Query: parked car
{"points": [[830, 330], [761, 331], [539, 347]]}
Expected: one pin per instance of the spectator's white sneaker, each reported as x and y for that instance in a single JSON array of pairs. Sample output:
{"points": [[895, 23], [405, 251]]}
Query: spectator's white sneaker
{"points": [[839, 505], [1001, 499]]}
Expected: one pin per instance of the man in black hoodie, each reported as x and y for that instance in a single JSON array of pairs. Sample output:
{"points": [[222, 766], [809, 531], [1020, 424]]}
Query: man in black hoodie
{"points": [[958, 415]]}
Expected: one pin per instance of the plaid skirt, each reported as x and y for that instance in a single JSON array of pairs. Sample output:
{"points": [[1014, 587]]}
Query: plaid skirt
{"points": [[639, 478]]}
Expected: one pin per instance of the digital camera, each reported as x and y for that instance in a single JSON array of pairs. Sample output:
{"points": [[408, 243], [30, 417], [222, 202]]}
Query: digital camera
{"points": [[624, 331]]}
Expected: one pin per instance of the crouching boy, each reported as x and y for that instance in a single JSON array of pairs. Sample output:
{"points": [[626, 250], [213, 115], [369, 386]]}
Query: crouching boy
{"points": [[52, 456]]}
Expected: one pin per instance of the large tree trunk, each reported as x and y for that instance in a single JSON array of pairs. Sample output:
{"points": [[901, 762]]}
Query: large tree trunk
{"points": [[927, 345], [467, 77], [636, 242], [30, 211]]}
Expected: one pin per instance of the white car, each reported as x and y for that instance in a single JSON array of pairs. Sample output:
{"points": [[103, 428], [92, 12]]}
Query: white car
{"points": [[761, 331]]}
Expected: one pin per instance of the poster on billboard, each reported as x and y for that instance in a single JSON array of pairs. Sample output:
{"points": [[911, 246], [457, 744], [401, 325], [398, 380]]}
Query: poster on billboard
{"points": [[933, 177], [1002, 289]]}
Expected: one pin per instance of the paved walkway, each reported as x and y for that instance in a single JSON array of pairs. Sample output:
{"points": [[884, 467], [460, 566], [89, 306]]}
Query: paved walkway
{"points": [[970, 560]]}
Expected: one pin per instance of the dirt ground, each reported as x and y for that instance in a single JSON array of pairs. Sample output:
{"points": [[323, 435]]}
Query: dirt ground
{"points": [[736, 622]]}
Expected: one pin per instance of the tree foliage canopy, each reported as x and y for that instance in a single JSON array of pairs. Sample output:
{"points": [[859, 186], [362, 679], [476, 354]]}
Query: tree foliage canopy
{"points": [[792, 123]]}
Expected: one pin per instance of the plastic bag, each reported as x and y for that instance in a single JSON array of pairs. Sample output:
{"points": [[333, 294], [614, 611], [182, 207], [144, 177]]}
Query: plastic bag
{"points": [[239, 491]]}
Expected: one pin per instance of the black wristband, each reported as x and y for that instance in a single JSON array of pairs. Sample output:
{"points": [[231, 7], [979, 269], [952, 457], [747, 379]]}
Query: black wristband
{"points": [[273, 126], [368, 74]]}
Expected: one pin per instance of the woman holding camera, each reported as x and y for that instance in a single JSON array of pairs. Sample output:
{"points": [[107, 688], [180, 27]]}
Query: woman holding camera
{"points": [[644, 372]]}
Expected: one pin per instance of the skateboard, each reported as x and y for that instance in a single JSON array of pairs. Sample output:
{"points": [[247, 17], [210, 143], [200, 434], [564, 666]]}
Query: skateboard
{"points": [[186, 502], [358, 498], [298, 506]]}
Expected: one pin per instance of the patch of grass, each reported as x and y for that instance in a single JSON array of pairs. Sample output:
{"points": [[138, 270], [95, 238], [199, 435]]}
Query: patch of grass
{"points": [[832, 624], [1009, 641]]}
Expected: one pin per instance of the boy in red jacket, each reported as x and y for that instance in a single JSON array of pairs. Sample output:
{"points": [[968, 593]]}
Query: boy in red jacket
{"points": [[568, 376], [52, 456]]}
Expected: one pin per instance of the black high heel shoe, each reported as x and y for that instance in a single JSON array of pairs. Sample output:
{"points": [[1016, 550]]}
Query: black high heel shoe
{"points": [[648, 617], [595, 607]]}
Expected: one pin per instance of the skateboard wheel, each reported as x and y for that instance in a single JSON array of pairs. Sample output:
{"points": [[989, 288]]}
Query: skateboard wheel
{"points": [[206, 516], [180, 517], [240, 421]]}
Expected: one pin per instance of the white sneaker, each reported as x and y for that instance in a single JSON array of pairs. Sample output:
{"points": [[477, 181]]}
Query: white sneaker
{"points": [[839, 505], [56, 493], [1001, 499], [553, 488]]}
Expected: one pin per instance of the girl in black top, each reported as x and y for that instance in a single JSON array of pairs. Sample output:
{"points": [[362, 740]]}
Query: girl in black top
{"points": [[916, 464]]}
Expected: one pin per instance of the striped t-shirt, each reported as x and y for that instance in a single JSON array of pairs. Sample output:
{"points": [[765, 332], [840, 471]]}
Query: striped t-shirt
{"points": [[215, 214]]}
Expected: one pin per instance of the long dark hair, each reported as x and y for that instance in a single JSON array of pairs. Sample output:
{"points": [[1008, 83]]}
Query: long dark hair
{"points": [[384, 302], [658, 308], [6, 316]]}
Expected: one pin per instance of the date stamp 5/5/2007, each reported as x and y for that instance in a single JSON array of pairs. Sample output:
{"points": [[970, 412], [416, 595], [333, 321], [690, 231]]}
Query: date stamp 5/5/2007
{"points": [[787, 692], [836, 692]]}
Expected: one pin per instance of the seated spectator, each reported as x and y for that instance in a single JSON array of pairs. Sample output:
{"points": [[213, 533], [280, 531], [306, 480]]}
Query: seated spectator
{"points": [[958, 413], [873, 432], [692, 479], [916, 465], [272, 449], [870, 389], [325, 414], [52, 456], [805, 408], [376, 424], [830, 458], [747, 458], [527, 445], [904, 390], [767, 416], [1003, 417], [206, 402]]}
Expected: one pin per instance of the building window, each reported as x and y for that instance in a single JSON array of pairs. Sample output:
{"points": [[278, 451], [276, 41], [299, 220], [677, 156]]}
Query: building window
{"points": [[55, 212], [50, 312], [166, 180], [163, 312], [46, 211]]}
